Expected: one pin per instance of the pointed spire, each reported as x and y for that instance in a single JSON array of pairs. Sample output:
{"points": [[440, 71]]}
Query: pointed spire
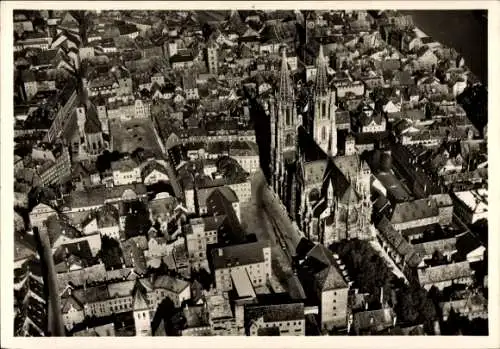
{"points": [[286, 88], [321, 73]]}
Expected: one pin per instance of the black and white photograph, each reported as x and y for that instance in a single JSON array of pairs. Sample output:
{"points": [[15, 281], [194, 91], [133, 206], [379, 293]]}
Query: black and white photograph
{"points": [[247, 171]]}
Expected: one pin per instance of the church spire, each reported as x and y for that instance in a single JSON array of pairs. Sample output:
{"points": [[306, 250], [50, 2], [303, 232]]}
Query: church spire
{"points": [[286, 88], [321, 87]]}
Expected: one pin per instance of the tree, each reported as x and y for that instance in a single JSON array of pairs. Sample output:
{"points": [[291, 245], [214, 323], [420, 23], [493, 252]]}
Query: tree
{"points": [[137, 221], [368, 270], [415, 306], [111, 253]]}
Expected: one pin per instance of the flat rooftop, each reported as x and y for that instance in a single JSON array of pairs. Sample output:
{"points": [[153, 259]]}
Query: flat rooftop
{"points": [[476, 200], [242, 283]]}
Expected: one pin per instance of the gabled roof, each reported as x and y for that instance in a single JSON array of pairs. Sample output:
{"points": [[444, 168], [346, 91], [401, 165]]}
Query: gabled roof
{"points": [[375, 117], [328, 277], [92, 123], [152, 166], [235, 255], [127, 164], [69, 302], [374, 319], [399, 243], [444, 272], [441, 245], [275, 312], [414, 210], [78, 252], [58, 225], [139, 300], [24, 246], [107, 216], [341, 186], [170, 283]]}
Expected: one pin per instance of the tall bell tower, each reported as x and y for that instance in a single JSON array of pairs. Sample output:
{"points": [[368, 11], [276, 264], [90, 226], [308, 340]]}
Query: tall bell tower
{"points": [[324, 127], [285, 126]]}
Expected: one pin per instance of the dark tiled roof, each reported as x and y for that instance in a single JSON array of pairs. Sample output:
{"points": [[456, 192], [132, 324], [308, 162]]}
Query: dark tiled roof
{"points": [[126, 164], [414, 210], [80, 249], [196, 317], [398, 242], [24, 245], [91, 294], [70, 301], [314, 171], [57, 225], [153, 166], [213, 222], [170, 283], [235, 255], [441, 245], [97, 196], [366, 120], [342, 117], [328, 277], [376, 320], [92, 123], [269, 331], [275, 312], [444, 273], [160, 207]]}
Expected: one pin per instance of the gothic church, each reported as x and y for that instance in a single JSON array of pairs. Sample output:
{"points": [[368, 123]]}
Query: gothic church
{"points": [[326, 194]]}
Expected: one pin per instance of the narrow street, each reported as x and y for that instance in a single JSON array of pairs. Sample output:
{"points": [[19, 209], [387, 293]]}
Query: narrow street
{"points": [[287, 232], [258, 221]]}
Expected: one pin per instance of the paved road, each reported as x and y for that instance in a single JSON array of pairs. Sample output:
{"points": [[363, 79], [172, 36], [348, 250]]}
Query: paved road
{"points": [[256, 220], [288, 234], [55, 321]]}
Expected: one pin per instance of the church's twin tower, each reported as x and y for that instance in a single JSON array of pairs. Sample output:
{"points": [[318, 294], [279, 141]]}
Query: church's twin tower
{"points": [[284, 124], [323, 124], [285, 121]]}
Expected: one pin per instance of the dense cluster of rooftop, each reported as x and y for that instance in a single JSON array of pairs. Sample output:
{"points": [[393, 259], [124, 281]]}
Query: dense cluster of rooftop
{"points": [[139, 138]]}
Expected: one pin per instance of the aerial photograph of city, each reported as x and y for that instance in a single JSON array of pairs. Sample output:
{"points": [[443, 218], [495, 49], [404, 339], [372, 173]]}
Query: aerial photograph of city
{"points": [[250, 173]]}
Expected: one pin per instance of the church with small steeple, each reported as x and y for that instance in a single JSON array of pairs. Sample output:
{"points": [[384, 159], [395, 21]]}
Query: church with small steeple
{"points": [[91, 136]]}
